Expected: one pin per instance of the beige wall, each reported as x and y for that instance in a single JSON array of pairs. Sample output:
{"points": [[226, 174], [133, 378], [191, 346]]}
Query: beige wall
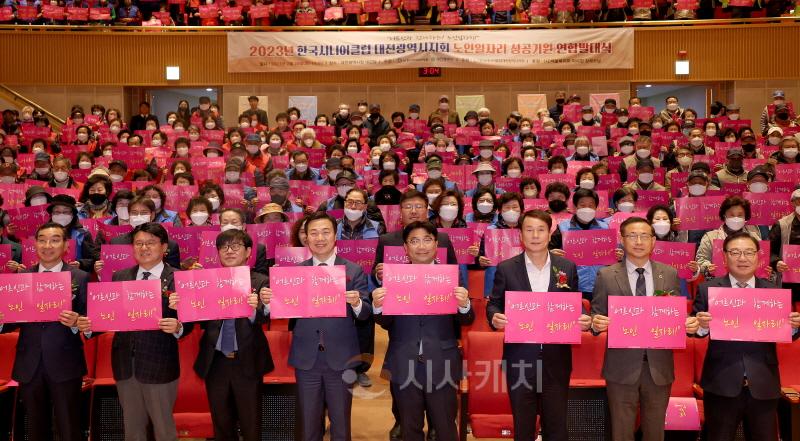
{"points": [[754, 95], [59, 99]]}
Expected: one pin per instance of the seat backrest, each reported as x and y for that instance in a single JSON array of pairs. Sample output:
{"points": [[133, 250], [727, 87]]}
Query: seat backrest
{"points": [[683, 360], [700, 348], [789, 363], [102, 360], [192, 396], [475, 280], [488, 392], [8, 349], [280, 342], [480, 323], [588, 357], [90, 354]]}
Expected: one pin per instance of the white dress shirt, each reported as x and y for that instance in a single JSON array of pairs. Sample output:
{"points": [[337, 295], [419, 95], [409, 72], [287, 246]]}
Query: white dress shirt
{"points": [[539, 279], [633, 276], [57, 268], [155, 272]]}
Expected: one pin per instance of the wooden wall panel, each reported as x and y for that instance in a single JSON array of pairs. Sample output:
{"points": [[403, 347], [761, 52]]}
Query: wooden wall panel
{"points": [[722, 52]]}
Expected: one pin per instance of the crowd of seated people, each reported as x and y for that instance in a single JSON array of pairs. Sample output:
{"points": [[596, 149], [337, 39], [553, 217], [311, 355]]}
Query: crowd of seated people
{"points": [[372, 12]]}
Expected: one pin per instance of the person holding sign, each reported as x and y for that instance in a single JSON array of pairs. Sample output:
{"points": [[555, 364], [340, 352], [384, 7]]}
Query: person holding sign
{"points": [[49, 363], [636, 379], [423, 356], [786, 231], [537, 270], [234, 354], [740, 379], [325, 351], [147, 383]]}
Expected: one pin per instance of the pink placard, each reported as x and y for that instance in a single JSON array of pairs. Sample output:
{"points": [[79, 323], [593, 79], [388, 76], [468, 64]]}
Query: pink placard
{"points": [[391, 217], [675, 254], [718, 258], [590, 247], [750, 314], [462, 239], [791, 256], [654, 322], [308, 291], [397, 255], [109, 231], [543, 317], [682, 414], [271, 235], [5, 256], [133, 305], [291, 256], [768, 207], [208, 257], [188, 238], [642, 112], [698, 213], [115, 258], [213, 294], [649, 198], [361, 252], [35, 297], [30, 258], [28, 219], [501, 245], [420, 289]]}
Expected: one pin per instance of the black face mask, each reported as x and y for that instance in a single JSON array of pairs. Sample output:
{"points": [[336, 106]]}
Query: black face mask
{"points": [[557, 205], [277, 199], [782, 116], [513, 125], [560, 101], [644, 132], [375, 115], [97, 199], [397, 125], [749, 147]]}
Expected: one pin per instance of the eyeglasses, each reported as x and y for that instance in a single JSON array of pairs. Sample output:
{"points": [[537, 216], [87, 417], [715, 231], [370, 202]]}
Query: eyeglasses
{"points": [[417, 242], [235, 247], [739, 253], [636, 237], [146, 244], [353, 204], [412, 207]]}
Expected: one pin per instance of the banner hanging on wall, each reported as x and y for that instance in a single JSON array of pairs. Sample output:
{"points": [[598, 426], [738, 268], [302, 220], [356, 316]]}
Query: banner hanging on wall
{"points": [[505, 49]]}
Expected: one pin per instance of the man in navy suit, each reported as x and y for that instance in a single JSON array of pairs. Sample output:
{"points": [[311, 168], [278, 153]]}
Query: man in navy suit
{"points": [[325, 351], [145, 364], [49, 365], [424, 360], [536, 270], [740, 379]]}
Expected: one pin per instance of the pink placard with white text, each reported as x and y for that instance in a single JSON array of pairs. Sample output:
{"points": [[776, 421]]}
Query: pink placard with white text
{"points": [[682, 414], [133, 305], [420, 289], [543, 317], [213, 294], [308, 291], [642, 322], [590, 247], [35, 297], [750, 314]]}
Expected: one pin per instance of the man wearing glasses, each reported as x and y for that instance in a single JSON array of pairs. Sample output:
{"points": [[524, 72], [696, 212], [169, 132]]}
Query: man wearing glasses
{"points": [[740, 379], [636, 379]]}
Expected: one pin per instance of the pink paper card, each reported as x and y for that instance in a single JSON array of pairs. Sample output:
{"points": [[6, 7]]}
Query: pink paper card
{"points": [[420, 289], [391, 216], [768, 207], [501, 245], [109, 231], [461, 238], [787, 172], [543, 317], [750, 314], [698, 213], [188, 238], [35, 297], [654, 322], [271, 235], [649, 198], [675, 254], [308, 291], [213, 294], [208, 256], [28, 219], [791, 256], [397, 255], [133, 305], [641, 112], [5, 256], [718, 258], [682, 414], [30, 258], [291, 256], [590, 247], [115, 258], [619, 217], [361, 252]]}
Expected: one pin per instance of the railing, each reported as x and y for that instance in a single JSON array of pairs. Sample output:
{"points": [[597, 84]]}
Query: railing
{"points": [[16, 97], [773, 21]]}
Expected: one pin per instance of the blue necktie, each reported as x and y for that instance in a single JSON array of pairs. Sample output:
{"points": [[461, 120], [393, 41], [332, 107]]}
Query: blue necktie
{"points": [[228, 344]]}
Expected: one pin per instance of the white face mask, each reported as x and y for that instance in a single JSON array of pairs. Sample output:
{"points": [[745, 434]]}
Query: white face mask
{"points": [[135, 221], [84, 165], [587, 117], [114, 129], [696, 141], [82, 137], [622, 119], [657, 125], [485, 207], [194, 136], [790, 153], [214, 203], [389, 165], [662, 228], [626, 149], [645, 178], [41, 171], [625, 207], [150, 127], [549, 128], [758, 187], [38, 200], [231, 176], [735, 223], [582, 150], [353, 215], [352, 149], [557, 171], [116, 178], [585, 215], [244, 125], [210, 125], [199, 217], [212, 155], [157, 203], [227, 227], [566, 131], [61, 176], [333, 174], [342, 190], [308, 142], [587, 184], [685, 161], [62, 219], [530, 194], [385, 146], [485, 179], [108, 153], [643, 153], [434, 174], [510, 216], [633, 130], [122, 212], [697, 189], [514, 173], [301, 168], [525, 130], [733, 116], [672, 107], [711, 132], [448, 213]]}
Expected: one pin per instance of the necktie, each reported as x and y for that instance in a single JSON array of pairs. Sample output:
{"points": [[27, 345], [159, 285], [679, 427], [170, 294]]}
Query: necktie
{"points": [[641, 286], [228, 343], [47, 271], [146, 275], [321, 334], [741, 284], [323, 264]]}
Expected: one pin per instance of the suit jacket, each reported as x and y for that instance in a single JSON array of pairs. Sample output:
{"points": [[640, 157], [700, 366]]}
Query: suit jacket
{"points": [[727, 361], [337, 334], [55, 346], [253, 349], [512, 275], [173, 257], [156, 352], [438, 335], [395, 239], [625, 365]]}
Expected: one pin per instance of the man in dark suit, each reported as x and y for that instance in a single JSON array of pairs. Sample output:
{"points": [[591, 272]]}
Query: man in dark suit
{"points": [[137, 122], [145, 363], [424, 360], [234, 354], [49, 364], [141, 208], [636, 379], [740, 379], [536, 270], [325, 349]]}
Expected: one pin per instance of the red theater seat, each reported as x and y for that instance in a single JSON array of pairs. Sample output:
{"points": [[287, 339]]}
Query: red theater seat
{"points": [[480, 323], [789, 405], [280, 342], [191, 411], [103, 375], [475, 281], [587, 361], [8, 347]]}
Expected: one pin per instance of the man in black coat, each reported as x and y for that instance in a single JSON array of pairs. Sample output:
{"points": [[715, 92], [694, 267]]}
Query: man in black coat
{"points": [[50, 365]]}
